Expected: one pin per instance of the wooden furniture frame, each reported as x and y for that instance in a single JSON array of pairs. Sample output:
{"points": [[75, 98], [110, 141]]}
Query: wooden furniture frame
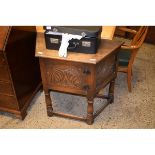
{"points": [[135, 44], [20, 77], [79, 74]]}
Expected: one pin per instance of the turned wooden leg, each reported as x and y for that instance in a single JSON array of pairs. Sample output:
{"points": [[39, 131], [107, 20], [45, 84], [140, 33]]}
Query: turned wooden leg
{"points": [[90, 110], [111, 91], [131, 72], [129, 79], [48, 103]]}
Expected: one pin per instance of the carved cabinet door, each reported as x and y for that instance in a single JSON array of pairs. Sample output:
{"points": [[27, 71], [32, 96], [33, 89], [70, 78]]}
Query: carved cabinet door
{"points": [[66, 76], [105, 71]]}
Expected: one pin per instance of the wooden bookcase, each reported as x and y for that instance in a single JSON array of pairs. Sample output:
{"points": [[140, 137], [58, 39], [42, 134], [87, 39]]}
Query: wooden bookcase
{"points": [[19, 69]]}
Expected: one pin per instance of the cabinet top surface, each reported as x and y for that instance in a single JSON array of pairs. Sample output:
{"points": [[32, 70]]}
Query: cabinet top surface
{"points": [[106, 48], [4, 31]]}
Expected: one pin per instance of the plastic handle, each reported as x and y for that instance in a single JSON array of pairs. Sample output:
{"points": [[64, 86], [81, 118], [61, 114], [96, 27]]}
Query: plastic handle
{"points": [[73, 47]]}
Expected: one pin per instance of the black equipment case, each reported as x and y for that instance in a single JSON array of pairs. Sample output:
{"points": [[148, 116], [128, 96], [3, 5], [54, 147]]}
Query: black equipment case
{"points": [[89, 42]]}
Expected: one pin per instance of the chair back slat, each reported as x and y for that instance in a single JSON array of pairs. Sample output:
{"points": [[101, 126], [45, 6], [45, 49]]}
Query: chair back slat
{"points": [[140, 36]]}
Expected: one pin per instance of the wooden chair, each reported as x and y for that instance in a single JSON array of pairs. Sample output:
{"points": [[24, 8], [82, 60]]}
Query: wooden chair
{"points": [[128, 53]]}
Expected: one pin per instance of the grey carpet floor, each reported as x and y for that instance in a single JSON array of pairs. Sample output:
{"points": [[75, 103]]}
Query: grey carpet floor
{"points": [[130, 110]]}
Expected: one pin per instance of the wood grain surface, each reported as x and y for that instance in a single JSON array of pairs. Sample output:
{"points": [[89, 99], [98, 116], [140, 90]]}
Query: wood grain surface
{"points": [[4, 31]]}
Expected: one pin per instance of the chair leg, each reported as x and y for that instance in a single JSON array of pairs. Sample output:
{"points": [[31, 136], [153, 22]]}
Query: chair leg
{"points": [[129, 73]]}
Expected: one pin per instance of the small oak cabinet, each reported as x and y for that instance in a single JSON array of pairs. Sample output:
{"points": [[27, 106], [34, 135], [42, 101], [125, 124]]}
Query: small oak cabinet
{"points": [[79, 74]]}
